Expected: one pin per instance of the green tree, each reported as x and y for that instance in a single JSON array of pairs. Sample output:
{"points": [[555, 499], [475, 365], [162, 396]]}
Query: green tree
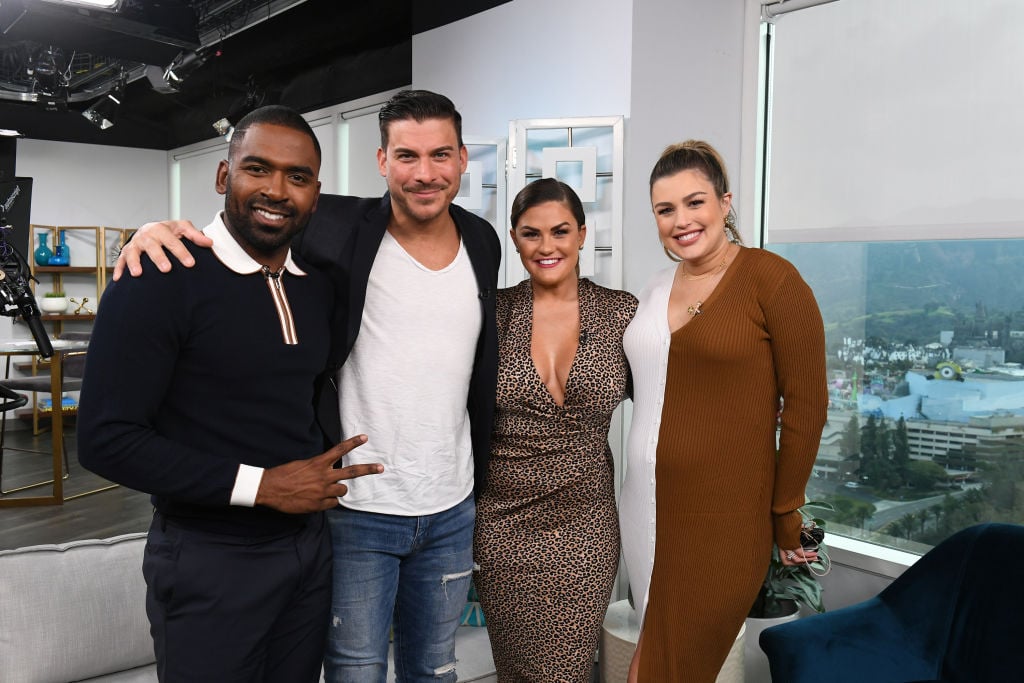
{"points": [[849, 446], [902, 527], [949, 513], [851, 511], [869, 440], [877, 464], [923, 475], [901, 448], [1002, 466], [883, 441], [921, 516]]}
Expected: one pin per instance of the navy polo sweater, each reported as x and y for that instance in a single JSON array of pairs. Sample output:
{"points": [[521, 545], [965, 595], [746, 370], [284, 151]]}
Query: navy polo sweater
{"points": [[188, 375]]}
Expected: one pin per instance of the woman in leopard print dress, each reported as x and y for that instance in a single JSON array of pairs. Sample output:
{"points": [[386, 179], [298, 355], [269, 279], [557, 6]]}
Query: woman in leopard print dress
{"points": [[547, 534]]}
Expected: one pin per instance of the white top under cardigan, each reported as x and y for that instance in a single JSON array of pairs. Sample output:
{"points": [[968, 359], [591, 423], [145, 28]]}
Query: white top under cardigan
{"points": [[646, 343]]}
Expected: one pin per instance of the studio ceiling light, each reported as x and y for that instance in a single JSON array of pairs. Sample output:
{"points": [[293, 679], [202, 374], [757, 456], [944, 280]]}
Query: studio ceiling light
{"points": [[255, 97], [103, 112], [223, 126], [48, 71], [182, 66], [103, 4]]}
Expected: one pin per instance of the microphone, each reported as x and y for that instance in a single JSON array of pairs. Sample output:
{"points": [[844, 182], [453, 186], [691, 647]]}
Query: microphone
{"points": [[16, 296]]}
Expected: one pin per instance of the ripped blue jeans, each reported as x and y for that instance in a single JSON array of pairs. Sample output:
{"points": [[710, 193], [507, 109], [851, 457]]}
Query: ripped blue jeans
{"points": [[409, 573]]}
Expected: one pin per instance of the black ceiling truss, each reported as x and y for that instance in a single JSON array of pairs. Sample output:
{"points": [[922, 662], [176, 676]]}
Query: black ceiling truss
{"points": [[188, 63]]}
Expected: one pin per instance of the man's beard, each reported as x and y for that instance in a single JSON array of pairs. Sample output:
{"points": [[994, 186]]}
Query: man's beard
{"points": [[255, 235]]}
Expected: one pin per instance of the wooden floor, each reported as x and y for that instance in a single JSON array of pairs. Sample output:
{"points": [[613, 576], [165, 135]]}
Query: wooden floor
{"points": [[109, 513]]}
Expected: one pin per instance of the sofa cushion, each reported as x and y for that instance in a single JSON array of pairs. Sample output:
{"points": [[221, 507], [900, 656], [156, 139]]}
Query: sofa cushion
{"points": [[73, 611], [142, 674]]}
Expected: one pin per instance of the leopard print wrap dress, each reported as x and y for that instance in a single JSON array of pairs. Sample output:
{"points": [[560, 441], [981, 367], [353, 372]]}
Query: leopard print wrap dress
{"points": [[547, 533]]}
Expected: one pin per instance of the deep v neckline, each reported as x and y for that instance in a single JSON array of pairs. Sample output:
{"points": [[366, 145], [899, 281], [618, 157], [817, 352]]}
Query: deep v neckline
{"points": [[575, 356], [708, 300]]}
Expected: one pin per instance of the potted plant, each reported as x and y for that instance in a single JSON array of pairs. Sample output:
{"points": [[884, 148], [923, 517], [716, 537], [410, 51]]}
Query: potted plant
{"points": [[785, 589], [54, 302]]}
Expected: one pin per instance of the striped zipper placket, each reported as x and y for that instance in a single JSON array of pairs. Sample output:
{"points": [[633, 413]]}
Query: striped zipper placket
{"points": [[284, 311]]}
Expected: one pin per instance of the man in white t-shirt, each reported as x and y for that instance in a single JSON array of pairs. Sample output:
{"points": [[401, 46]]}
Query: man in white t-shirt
{"points": [[415, 360]]}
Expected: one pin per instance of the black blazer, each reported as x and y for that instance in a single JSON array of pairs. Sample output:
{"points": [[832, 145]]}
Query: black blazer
{"points": [[342, 239]]}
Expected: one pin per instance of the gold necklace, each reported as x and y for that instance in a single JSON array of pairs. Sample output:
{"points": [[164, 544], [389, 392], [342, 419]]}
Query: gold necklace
{"points": [[713, 271]]}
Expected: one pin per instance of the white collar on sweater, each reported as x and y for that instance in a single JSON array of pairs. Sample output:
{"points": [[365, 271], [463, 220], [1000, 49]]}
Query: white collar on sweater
{"points": [[227, 249]]}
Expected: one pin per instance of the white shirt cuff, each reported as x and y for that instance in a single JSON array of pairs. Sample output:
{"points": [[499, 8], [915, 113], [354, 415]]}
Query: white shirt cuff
{"points": [[247, 483]]}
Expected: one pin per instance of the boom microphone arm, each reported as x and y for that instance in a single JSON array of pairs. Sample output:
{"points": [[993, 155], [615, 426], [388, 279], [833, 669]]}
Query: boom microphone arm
{"points": [[16, 296]]}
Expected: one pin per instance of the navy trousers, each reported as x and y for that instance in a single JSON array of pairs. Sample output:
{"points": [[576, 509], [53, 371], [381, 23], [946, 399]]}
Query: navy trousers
{"points": [[238, 609]]}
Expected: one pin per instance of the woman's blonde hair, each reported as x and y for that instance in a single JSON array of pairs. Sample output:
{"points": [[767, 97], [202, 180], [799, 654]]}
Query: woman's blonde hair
{"points": [[697, 155]]}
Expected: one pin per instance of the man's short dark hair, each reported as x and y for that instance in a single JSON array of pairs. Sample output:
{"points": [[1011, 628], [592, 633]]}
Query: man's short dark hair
{"points": [[273, 115], [418, 105]]}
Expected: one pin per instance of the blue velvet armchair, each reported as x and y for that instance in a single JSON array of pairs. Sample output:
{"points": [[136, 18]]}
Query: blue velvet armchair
{"points": [[955, 616]]}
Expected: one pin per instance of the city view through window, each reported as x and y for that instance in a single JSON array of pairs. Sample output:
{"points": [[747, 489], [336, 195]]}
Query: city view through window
{"points": [[925, 353]]}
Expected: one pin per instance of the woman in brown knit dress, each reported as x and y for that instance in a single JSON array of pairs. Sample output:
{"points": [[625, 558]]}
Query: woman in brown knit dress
{"points": [[717, 341], [547, 533]]}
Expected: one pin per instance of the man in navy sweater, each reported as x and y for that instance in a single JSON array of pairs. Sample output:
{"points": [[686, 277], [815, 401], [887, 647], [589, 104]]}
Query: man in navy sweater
{"points": [[222, 430], [415, 358]]}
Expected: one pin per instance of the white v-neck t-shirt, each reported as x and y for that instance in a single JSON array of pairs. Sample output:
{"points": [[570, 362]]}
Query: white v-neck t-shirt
{"points": [[405, 384]]}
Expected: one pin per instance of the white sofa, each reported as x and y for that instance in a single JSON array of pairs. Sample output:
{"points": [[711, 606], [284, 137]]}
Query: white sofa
{"points": [[74, 612], [77, 612]]}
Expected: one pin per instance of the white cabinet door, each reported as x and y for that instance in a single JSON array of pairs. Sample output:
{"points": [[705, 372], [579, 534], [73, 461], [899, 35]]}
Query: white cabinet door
{"points": [[586, 154], [483, 185]]}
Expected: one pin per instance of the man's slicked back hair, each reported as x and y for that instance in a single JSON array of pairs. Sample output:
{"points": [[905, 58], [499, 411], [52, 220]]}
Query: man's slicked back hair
{"points": [[418, 105]]}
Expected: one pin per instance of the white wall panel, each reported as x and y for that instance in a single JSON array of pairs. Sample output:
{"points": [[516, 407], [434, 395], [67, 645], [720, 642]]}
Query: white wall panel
{"points": [[325, 130], [360, 137], [688, 66], [530, 59], [194, 177], [77, 184]]}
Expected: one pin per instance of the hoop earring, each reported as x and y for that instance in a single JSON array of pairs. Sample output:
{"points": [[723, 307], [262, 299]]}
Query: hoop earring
{"points": [[671, 257]]}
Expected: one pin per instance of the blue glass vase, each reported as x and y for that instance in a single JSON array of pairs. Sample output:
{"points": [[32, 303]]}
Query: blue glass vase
{"points": [[42, 253], [61, 256]]}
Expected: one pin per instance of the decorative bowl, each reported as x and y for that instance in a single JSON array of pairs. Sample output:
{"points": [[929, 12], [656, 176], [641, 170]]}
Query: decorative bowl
{"points": [[53, 304]]}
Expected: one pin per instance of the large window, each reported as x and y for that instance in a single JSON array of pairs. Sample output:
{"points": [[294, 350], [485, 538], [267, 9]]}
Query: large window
{"points": [[925, 356], [894, 183]]}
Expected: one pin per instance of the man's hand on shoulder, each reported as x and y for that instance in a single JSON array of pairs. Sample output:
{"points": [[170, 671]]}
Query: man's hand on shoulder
{"points": [[151, 239], [311, 485]]}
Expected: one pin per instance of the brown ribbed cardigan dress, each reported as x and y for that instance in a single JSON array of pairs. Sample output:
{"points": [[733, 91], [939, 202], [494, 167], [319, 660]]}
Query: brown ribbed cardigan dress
{"points": [[724, 493]]}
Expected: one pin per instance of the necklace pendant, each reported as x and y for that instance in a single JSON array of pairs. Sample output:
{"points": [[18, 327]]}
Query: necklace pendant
{"points": [[695, 309]]}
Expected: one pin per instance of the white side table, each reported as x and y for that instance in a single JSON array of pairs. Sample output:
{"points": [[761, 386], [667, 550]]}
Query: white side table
{"points": [[618, 641]]}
